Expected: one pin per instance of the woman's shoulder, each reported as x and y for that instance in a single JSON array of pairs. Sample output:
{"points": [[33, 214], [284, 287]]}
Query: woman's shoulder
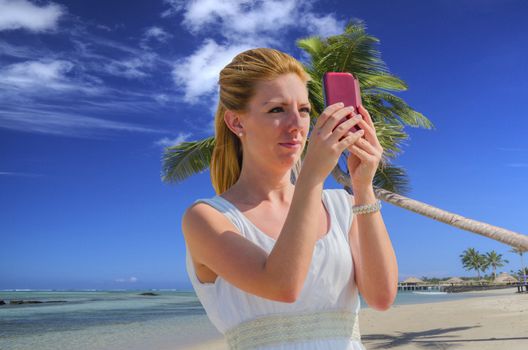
{"points": [[212, 209], [208, 215], [201, 208]]}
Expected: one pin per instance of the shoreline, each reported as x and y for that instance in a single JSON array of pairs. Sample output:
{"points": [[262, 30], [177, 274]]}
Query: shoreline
{"points": [[495, 319]]}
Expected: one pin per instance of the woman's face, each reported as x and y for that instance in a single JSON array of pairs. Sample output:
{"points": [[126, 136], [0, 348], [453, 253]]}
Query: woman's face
{"points": [[278, 113]]}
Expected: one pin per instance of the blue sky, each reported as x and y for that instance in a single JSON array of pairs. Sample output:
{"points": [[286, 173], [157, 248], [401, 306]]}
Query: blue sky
{"points": [[91, 92]]}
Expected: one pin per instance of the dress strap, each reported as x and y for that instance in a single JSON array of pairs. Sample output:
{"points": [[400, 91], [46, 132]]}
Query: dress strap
{"points": [[230, 212], [276, 329]]}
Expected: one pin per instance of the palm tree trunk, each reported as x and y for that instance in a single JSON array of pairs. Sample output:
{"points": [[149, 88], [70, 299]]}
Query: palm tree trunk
{"points": [[500, 234], [522, 268]]}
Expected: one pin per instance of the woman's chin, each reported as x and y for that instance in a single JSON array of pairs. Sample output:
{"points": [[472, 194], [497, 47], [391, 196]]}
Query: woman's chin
{"points": [[288, 163]]}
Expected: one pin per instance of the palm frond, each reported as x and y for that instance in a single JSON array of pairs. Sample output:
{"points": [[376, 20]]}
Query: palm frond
{"points": [[381, 81], [406, 115], [313, 45], [392, 178], [186, 159]]}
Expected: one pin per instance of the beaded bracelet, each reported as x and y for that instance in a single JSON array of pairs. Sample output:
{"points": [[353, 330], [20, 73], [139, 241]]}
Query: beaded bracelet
{"points": [[367, 208]]}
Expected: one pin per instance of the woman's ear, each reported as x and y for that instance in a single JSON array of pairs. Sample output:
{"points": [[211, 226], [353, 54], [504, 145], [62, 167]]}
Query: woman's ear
{"points": [[233, 121]]}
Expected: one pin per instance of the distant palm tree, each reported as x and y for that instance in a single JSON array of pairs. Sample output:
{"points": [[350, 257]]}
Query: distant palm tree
{"points": [[354, 51], [495, 260], [473, 260]]}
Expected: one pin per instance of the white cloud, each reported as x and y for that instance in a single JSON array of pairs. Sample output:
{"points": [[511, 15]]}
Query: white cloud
{"points": [[22, 14], [161, 98], [122, 61], [103, 27], [237, 19], [22, 52], [153, 35], [174, 7], [517, 165], [135, 67], [36, 120], [46, 75], [243, 24], [197, 74], [239, 16], [70, 91], [127, 280], [156, 33], [166, 142], [323, 26], [33, 73]]}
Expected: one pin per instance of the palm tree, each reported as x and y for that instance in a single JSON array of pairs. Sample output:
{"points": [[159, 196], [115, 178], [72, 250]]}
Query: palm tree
{"points": [[495, 260], [354, 51], [523, 271], [473, 260]]}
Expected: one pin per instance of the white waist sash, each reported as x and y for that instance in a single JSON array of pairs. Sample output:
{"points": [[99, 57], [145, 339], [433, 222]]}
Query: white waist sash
{"points": [[275, 329]]}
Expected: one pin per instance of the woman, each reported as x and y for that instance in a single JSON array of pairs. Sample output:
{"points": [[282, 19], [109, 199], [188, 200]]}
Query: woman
{"points": [[277, 264]]}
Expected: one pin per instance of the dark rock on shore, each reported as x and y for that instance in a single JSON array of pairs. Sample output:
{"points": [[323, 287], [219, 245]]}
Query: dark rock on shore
{"points": [[149, 294], [2, 302], [56, 301], [20, 302]]}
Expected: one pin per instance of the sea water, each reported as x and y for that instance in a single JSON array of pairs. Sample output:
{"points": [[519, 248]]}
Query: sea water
{"points": [[97, 320]]}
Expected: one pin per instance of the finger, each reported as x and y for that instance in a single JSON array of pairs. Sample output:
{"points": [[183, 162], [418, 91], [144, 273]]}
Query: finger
{"points": [[327, 113], [361, 154], [331, 122], [370, 133], [349, 139], [368, 147], [344, 128], [366, 115]]}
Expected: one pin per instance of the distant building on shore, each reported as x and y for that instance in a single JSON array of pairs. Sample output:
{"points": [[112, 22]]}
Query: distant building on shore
{"points": [[414, 283], [505, 278], [454, 281]]}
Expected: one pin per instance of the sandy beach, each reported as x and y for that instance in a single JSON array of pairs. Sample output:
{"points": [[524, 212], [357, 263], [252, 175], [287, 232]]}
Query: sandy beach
{"points": [[488, 322]]}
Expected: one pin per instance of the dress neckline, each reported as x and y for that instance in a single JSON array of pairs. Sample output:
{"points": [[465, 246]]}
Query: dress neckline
{"points": [[325, 205]]}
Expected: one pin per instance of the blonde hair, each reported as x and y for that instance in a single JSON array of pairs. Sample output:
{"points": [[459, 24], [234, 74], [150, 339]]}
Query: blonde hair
{"points": [[237, 86]]}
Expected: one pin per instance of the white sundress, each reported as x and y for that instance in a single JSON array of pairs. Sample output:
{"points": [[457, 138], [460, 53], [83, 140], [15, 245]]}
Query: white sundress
{"points": [[325, 316]]}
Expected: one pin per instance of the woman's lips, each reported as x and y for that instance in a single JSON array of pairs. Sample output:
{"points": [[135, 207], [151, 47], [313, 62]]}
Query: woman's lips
{"points": [[291, 145]]}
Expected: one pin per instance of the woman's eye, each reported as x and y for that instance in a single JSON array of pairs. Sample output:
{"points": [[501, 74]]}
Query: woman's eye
{"points": [[271, 110], [280, 109]]}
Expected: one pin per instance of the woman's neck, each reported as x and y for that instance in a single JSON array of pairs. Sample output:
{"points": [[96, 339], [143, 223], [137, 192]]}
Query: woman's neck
{"points": [[262, 187]]}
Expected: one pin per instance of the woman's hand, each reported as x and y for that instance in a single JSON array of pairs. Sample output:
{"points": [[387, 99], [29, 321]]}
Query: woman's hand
{"points": [[365, 154], [328, 140]]}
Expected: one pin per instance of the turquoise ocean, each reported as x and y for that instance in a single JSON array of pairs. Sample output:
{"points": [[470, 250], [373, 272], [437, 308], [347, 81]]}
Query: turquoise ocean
{"points": [[97, 320]]}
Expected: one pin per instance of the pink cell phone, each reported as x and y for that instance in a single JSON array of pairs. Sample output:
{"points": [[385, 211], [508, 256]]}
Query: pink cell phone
{"points": [[342, 87]]}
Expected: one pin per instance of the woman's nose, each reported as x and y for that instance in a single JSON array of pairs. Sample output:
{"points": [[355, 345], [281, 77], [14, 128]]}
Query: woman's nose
{"points": [[296, 120]]}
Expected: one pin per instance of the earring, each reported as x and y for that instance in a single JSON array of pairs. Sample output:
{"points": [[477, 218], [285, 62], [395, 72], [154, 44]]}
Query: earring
{"points": [[240, 134]]}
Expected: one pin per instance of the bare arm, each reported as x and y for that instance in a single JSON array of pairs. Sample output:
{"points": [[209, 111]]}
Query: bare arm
{"points": [[290, 259], [215, 242], [375, 265]]}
